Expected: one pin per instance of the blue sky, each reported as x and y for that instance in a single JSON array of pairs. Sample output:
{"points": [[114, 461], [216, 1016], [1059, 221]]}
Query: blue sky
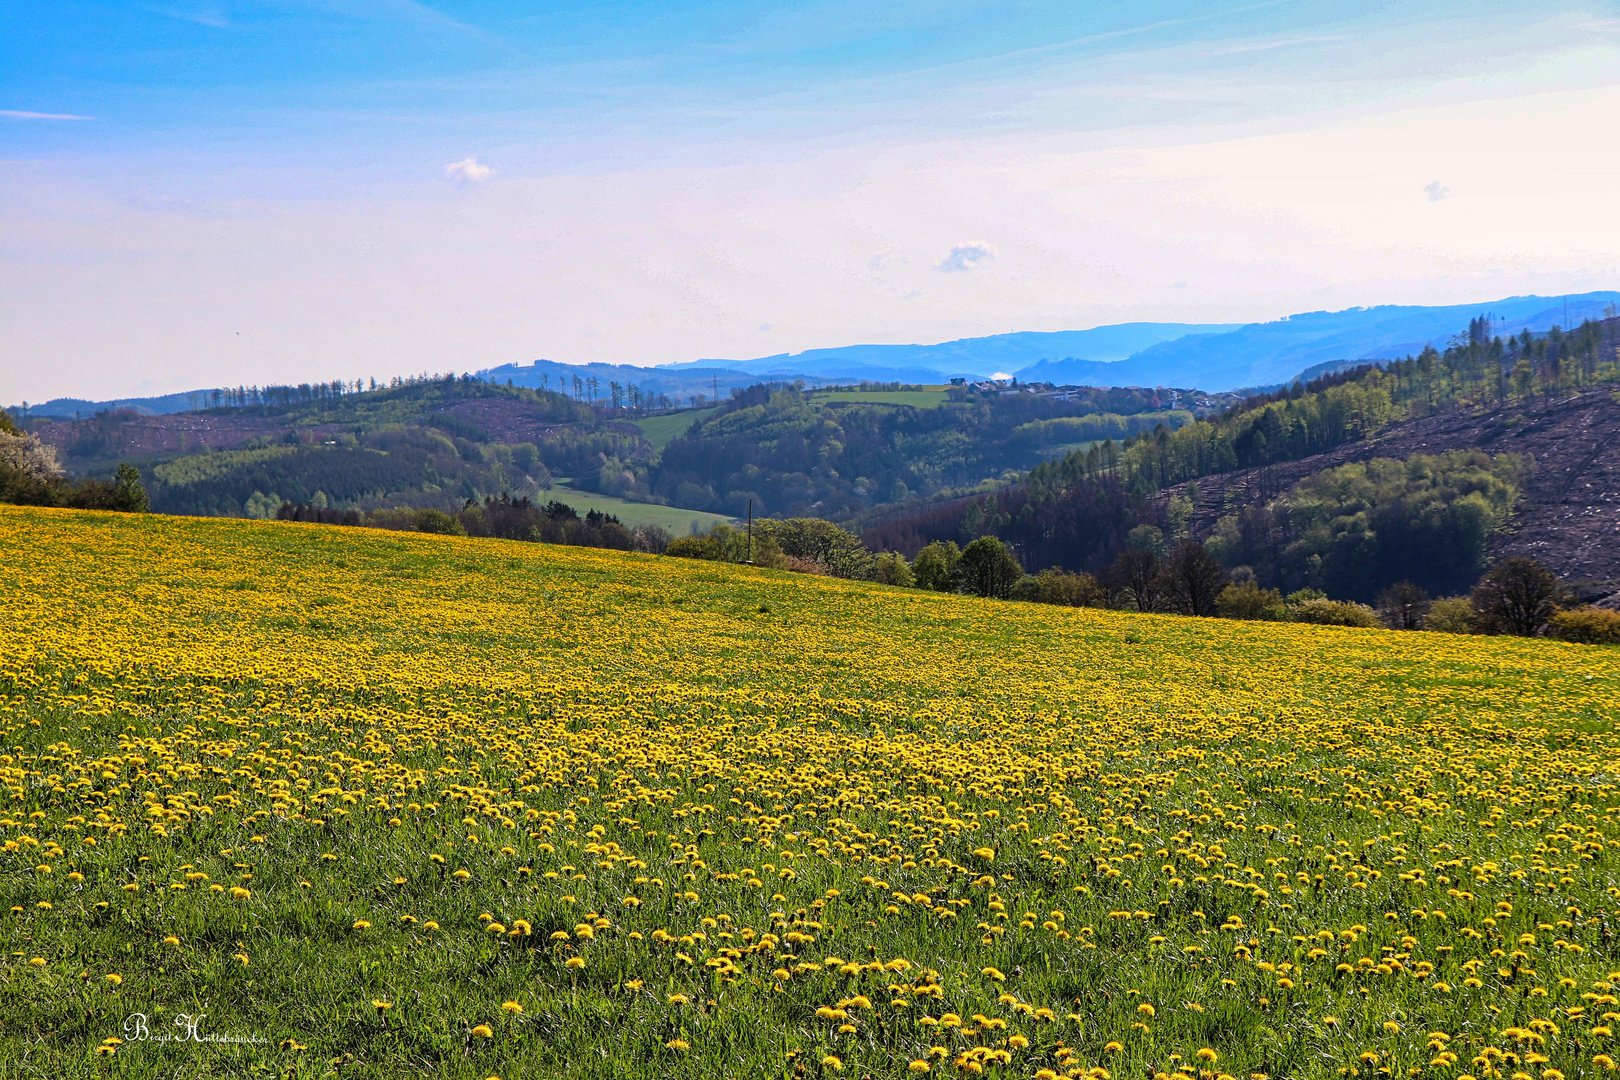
{"points": [[197, 193]]}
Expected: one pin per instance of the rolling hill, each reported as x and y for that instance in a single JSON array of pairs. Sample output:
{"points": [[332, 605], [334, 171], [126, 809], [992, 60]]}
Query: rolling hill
{"points": [[1211, 357]]}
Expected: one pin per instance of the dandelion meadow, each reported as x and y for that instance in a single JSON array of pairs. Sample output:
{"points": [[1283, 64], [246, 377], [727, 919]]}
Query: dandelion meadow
{"points": [[381, 804]]}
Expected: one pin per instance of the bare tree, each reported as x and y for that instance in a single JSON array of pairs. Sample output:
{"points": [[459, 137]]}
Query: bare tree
{"points": [[1193, 579], [1137, 573], [1404, 606], [1517, 596]]}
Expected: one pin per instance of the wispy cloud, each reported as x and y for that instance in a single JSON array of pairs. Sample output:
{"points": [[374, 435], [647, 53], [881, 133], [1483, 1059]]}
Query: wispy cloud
{"points": [[468, 171], [1108, 35], [409, 12], [1435, 190], [964, 257], [207, 16], [1281, 43], [19, 114]]}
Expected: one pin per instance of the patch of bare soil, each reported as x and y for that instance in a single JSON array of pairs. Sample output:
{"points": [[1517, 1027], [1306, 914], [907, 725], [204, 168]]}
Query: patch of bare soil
{"points": [[1569, 511], [130, 435]]}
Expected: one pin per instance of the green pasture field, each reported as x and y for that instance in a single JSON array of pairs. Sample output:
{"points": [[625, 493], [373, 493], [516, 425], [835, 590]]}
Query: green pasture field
{"points": [[298, 801], [660, 429], [922, 399], [676, 520]]}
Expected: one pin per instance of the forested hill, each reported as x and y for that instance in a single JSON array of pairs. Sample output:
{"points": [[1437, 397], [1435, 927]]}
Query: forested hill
{"points": [[1356, 404], [437, 442], [835, 455], [1254, 482], [431, 442]]}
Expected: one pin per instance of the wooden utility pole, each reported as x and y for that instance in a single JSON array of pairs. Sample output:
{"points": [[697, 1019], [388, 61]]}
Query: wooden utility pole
{"points": [[750, 532]]}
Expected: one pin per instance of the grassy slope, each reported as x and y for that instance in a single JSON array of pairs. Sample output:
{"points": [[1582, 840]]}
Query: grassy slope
{"points": [[660, 429], [676, 520], [309, 713], [922, 399]]}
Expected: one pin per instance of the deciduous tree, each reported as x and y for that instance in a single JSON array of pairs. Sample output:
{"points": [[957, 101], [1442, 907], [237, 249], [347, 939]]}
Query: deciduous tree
{"points": [[1517, 596]]}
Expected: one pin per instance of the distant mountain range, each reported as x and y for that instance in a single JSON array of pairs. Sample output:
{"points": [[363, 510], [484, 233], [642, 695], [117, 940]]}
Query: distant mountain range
{"points": [[1003, 354], [1187, 355], [1266, 354]]}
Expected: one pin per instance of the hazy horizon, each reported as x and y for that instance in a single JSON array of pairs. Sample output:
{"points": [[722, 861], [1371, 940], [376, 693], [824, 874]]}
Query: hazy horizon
{"points": [[221, 193]]}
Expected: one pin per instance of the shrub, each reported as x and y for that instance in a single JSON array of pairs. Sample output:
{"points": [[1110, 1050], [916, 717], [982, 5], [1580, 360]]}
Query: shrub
{"points": [[1587, 625], [1055, 586], [1247, 600], [935, 567], [838, 550], [891, 568], [321, 515], [437, 521], [124, 493], [988, 568], [26, 488], [693, 547], [1325, 612], [1451, 615]]}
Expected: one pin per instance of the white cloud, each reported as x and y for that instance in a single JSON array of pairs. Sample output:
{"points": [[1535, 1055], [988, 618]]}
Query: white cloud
{"points": [[18, 114], [963, 257], [1435, 190], [468, 171]]}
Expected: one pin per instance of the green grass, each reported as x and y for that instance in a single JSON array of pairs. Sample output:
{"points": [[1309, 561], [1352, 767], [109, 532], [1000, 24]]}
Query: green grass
{"points": [[676, 520], [659, 430], [922, 399], [1166, 834]]}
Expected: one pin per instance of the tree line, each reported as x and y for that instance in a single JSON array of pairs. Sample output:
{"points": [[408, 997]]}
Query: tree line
{"points": [[1517, 596], [31, 476], [501, 517]]}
